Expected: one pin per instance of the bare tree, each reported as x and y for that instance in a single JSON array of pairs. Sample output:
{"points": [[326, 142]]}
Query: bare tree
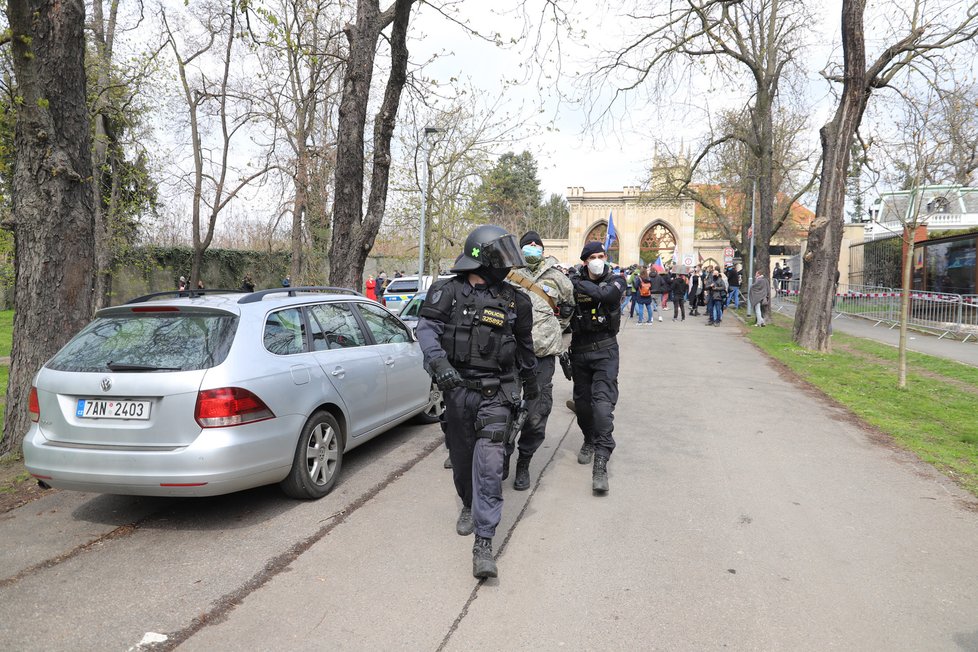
{"points": [[470, 131], [957, 129], [721, 179], [302, 57], [750, 43], [52, 213], [204, 97], [926, 32], [354, 229]]}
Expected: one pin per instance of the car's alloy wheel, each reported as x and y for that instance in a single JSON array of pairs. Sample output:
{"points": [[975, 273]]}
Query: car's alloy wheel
{"points": [[435, 408], [318, 458]]}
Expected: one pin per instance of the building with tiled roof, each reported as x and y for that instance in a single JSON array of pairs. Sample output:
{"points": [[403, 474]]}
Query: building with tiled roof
{"points": [[942, 208]]}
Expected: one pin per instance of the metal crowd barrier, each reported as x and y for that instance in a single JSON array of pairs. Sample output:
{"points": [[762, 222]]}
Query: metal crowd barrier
{"points": [[946, 314]]}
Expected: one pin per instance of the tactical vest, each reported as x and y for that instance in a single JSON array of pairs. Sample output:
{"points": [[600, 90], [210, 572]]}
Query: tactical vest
{"points": [[479, 329], [591, 316]]}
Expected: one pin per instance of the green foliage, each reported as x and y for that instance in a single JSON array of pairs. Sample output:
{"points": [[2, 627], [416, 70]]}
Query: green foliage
{"points": [[125, 186], [510, 193], [933, 416], [552, 218]]}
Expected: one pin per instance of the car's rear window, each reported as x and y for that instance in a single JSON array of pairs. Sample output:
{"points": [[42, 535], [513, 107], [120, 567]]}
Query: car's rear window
{"points": [[165, 341], [398, 287]]}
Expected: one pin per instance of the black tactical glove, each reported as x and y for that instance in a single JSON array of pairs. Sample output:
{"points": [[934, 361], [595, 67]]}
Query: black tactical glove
{"points": [[531, 390], [444, 374]]}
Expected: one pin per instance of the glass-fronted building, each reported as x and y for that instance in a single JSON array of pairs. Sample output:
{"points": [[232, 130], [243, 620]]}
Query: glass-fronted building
{"points": [[946, 264]]}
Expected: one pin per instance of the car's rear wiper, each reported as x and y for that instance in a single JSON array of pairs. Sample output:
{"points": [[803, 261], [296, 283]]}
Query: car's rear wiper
{"points": [[121, 366]]}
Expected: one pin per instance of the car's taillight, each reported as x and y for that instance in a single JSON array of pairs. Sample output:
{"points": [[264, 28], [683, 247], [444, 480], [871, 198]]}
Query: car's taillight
{"points": [[229, 406], [33, 406]]}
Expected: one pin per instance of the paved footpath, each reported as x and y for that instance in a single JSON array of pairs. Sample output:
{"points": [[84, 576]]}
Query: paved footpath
{"points": [[744, 514]]}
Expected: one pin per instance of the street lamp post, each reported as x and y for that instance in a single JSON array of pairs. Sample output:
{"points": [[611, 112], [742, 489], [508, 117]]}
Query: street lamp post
{"points": [[424, 203]]}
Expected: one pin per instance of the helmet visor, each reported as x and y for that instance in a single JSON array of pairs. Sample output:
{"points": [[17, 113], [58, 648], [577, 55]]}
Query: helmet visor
{"points": [[502, 252]]}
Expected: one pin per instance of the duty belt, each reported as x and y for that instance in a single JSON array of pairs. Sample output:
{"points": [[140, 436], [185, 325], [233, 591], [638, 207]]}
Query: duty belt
{"points": [[488, 386], [594, 346]]}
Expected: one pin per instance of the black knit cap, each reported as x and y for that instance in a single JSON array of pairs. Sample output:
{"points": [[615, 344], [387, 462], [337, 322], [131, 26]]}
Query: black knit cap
{"points": [[531, 236], [590, 249]]}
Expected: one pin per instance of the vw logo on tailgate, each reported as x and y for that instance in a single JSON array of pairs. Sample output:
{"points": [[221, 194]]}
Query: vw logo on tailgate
{"points": [[106, 384]]}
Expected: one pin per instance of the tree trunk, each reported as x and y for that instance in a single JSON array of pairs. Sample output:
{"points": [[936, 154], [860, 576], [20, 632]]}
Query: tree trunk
{"points": [[908, 235], [52, 196], [299, 208], [353, 231], [814, 313], [102, 181]]}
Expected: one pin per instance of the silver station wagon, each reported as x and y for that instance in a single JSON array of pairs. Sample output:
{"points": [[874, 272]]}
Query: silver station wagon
{"points": [[210, 393]]}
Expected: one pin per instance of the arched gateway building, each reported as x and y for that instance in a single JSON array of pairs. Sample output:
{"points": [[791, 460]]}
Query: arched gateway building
{"points": [[647, 228]]}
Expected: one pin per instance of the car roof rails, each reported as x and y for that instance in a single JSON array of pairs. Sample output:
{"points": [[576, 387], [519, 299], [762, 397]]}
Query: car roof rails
{"points": [[182, 294], [254, 297]]}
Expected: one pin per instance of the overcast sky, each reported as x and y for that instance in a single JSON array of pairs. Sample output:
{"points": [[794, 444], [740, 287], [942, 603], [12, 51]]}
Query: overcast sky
{"points": [[618, 151]]}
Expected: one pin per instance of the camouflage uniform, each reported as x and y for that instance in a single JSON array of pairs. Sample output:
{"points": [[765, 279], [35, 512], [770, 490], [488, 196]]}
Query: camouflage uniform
{"points": [[548, 342]]}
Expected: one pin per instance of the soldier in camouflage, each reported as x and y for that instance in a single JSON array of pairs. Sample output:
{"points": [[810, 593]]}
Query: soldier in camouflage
{"points": [[552, 296]]}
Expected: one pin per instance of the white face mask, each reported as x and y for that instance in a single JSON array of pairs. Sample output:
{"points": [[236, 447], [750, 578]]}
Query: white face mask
{"points": [[595, 266]]}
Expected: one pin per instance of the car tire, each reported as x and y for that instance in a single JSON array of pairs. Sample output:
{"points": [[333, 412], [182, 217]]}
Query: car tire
{"points": [[318, 459], [435, 408]]}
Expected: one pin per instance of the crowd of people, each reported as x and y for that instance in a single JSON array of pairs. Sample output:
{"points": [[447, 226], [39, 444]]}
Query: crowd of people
{"points": [[651, 290]]}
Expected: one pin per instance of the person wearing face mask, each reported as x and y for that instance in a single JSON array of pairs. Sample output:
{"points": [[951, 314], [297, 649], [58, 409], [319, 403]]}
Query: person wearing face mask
{"points": [[716, 288], [475, 332], [594, 358], [552, 296]]}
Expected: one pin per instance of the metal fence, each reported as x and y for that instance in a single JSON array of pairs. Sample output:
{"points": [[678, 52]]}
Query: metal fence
{"points": [[876, 262], [947, 315]]}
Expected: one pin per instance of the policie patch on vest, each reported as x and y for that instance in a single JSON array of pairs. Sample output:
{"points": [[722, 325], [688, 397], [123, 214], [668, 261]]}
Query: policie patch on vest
{"points": [[492, 317]]}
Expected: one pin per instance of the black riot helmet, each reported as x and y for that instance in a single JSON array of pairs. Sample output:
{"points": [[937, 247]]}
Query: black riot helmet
{"points": [[489, 247]]}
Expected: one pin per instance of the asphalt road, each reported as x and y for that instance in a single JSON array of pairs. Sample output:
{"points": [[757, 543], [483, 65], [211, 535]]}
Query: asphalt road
{"points": [[744, 514]]}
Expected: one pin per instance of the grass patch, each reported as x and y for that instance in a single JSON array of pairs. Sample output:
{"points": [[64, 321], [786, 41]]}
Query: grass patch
{"points": [[6, 331], [932, 417]]}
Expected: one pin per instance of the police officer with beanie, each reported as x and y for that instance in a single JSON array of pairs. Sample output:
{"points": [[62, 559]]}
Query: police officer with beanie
{"points": [[552, 296], [475, 332], [594, 357]]}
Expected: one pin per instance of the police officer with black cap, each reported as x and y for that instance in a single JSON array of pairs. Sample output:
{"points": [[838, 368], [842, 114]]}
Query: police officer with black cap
{"points": [[476, 334], [594, 357]]}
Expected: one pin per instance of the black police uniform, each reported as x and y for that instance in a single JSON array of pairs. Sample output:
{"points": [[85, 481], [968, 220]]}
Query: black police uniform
{"points": [[484, 332], [594, 358]]}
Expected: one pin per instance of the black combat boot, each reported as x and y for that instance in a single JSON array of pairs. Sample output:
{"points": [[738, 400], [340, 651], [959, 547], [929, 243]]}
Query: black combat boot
{"points": [[483, 565], [599, 474], [465, 524], [586, 453], [522, 480], [506, 466]]}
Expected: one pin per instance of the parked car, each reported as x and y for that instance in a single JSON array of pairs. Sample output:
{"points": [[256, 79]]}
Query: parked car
{"points": [[213, 393], [412, 310], [401, 290]]}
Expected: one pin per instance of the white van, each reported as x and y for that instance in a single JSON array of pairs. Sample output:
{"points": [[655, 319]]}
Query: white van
{"points": [[400, 291]]}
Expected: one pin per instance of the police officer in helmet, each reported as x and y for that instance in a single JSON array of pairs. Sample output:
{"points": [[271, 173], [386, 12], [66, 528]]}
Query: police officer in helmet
{"points": [[475, 332], [594, 357]]}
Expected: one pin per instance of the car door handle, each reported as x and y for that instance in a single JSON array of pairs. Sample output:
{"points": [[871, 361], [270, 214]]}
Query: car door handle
{"points": [[339, 372], [389, 362]]}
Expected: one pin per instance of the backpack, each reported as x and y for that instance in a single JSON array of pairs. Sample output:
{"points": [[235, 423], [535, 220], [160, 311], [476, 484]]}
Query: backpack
{"points": [[644, 288]]}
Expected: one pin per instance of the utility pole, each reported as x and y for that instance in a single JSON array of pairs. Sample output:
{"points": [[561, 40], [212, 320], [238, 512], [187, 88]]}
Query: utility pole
{"points": [[424, 204]]}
